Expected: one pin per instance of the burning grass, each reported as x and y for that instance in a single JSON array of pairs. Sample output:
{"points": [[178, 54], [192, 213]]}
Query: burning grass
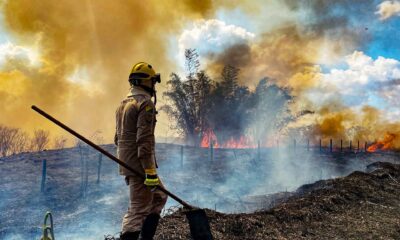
{"points": [[386, 143], [210, 138]]}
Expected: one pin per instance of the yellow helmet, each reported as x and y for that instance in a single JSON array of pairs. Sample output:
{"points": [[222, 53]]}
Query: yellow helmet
{"points": [[143, 71], [143, 75]]}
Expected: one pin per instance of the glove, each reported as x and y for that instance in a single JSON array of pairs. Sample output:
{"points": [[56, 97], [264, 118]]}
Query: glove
{"points": [[151, 178]]}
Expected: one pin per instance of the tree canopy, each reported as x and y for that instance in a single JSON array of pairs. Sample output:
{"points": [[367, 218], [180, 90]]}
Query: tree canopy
{"points": [[229, 109]]}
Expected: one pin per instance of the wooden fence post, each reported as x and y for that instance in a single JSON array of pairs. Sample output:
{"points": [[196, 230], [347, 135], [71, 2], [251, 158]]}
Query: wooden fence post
{"points": [[358, 145], [44, 169], [320, 145], [211, 150], [341, 145], [365, 147], [351, 145], [82, 164], [182, 156], [308, 145], [330, 146], [86, 175], [99, 167]]}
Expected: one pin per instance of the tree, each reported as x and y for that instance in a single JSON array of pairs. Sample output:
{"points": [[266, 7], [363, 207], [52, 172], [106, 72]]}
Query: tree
{"points": [[199, 105], [12, 141], [192, 62], [40, 139], [229, 81], [271, 108], [7, 136], [189, 99], [20, 142], [60, 142], [228, 114]]}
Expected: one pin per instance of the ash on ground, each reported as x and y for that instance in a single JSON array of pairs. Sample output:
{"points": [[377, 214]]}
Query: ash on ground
{"points": [[253, 194]]}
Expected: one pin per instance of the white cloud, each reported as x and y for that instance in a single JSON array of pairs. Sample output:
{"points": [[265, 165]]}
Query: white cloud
{"points": [[9, 50], [388, 9], [212, 36], [364, 81], [363, 70]]}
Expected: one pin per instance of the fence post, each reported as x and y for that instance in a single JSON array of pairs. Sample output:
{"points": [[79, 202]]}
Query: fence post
{"points": [[320, 145], [351, 145], [258, 151], [358, 145], [365, 147], [211, 150], [308, 145], [86, 175], [341, 145], [82, 164], [330, 146], [44, 169], [182, 156], [99, 167]]}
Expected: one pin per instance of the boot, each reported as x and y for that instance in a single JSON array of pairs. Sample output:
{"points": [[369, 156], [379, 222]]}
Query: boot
{"points": [[150, 226], [130, 235]]}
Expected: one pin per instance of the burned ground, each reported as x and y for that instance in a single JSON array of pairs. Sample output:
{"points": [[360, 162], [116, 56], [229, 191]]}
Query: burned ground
{"points": [[358, 206], [288, 200]]}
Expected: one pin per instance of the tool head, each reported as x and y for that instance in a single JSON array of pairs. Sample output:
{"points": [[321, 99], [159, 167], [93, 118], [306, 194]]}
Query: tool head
{"points": [[199, 225]]}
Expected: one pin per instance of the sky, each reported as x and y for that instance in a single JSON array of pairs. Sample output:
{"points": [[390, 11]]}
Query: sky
{"points": [[73, 57]]}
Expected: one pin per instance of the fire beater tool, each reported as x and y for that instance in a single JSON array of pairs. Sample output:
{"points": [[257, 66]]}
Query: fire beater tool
{"points": [[198, 221]]}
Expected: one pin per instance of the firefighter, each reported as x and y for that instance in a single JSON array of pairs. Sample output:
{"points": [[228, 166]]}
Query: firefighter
{"points": [[134, 137]]}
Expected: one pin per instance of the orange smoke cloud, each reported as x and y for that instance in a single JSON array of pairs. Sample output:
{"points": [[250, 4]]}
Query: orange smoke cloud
{"points": [[86, 49], [347, 124]]}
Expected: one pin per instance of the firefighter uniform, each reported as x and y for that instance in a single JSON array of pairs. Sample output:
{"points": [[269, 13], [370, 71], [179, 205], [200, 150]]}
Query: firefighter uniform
{"points": [[135, 123]]}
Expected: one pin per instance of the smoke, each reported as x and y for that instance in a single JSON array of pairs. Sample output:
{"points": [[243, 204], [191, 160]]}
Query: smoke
{"points": [[73, 57], [85, 50], [316, 34], [293, 54], [388, 9]]}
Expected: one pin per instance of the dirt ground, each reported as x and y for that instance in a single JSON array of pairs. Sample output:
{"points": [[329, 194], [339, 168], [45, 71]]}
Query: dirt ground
{"points": [[358, 206]]}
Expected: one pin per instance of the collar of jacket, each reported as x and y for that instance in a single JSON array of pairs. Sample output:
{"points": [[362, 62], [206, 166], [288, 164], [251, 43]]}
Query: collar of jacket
{"points": [[138, 91]]}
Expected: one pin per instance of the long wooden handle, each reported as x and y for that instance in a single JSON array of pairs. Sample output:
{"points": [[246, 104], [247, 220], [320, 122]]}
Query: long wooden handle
{"points": [[105, 152]]}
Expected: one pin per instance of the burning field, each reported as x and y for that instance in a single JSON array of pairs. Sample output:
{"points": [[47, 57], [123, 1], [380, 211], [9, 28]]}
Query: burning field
{"points": [[282, 108], [273, 193]]}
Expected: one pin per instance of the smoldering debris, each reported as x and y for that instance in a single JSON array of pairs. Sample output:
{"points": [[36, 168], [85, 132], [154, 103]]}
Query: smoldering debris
{"points": [[233, 181], [353, 206]]}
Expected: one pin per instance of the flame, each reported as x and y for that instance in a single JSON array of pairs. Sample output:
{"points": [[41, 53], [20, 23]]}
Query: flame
{"points": [[385, 144], [209, 138]]}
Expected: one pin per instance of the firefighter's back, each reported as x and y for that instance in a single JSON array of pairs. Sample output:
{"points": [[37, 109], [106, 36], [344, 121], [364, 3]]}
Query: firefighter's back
{"points": [[126, 132]]}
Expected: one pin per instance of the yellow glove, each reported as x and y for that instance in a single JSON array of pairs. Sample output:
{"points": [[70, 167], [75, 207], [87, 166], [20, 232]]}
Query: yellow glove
{"points": [[151, 178]]}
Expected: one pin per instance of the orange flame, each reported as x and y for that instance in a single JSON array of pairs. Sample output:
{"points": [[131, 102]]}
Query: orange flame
{"points": [[385, 144], [209, 138]]}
